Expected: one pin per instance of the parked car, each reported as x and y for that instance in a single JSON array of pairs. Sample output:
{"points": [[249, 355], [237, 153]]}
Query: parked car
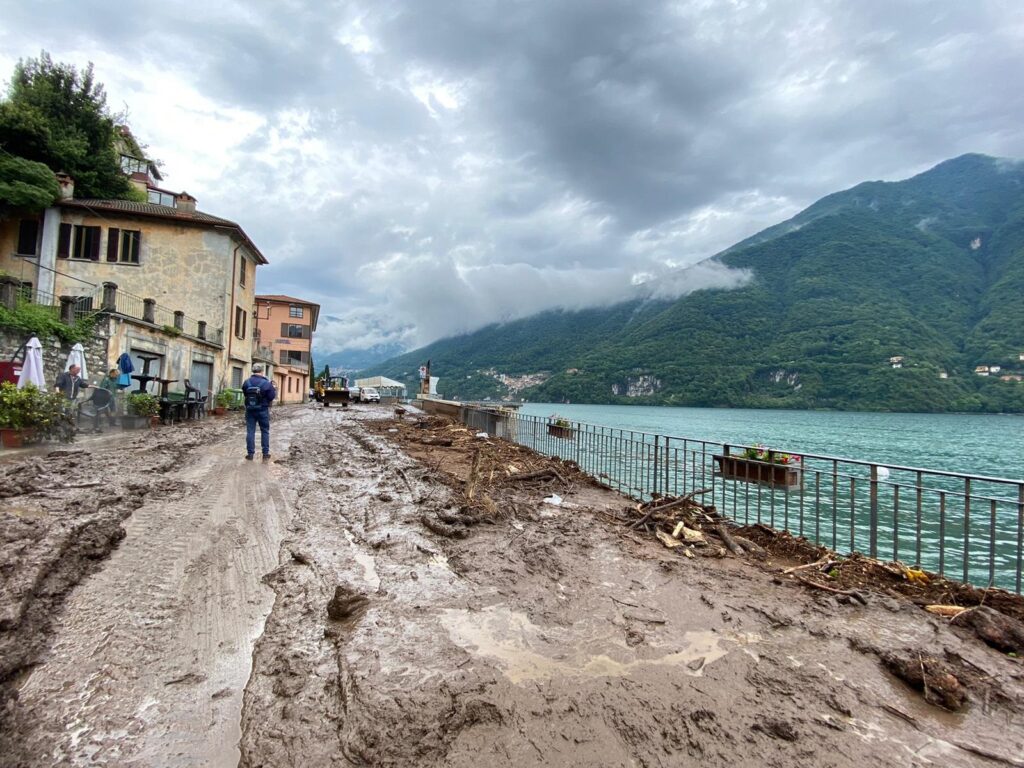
{"points": [[369, 395]]}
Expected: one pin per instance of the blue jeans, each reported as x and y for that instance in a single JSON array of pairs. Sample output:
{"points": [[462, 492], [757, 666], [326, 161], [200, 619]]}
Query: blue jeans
{"points": [[252, 418]]}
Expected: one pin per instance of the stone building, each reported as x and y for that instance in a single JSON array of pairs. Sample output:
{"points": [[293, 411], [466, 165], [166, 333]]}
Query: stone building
{"points": [[286, 325], [169, 282]]}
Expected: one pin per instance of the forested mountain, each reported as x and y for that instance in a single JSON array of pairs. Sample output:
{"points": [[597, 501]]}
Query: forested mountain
{"points": [[930, 269]]}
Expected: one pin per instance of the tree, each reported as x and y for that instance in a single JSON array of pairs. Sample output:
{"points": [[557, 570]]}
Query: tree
{"points": [[25, 185], [58, 116]]}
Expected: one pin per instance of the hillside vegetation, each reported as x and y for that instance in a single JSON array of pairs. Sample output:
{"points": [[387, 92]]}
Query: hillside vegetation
{"points": [[930, 269]]}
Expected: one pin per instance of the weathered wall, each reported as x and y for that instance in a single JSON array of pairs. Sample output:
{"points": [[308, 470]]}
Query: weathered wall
{"points": [[184, 267], [178, 353], [55, 353]]}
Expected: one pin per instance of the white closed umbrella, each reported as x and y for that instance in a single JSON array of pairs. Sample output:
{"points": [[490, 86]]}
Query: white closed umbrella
{"points": [[77, 357], [32, 368]]}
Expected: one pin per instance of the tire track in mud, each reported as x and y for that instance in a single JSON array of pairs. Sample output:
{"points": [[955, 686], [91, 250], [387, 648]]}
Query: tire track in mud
{"points": [[151, 654]]}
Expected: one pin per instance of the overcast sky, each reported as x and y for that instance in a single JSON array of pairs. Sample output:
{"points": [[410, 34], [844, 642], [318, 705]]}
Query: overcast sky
{"points": [[421, 168]]}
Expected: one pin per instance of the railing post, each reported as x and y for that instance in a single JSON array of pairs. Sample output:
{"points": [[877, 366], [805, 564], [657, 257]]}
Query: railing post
{"points": [[109, 297], [201, 329], [657, 450], [9, 287], [149, 310], [179, 320], [873, 521], [67, 310]]}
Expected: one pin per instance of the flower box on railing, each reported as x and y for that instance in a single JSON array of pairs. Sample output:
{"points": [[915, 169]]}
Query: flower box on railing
{"points": [[561, 431], [763, 472]]}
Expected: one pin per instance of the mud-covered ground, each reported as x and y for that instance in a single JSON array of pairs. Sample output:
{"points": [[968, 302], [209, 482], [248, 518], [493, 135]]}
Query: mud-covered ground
{"points": [[400, 623]]}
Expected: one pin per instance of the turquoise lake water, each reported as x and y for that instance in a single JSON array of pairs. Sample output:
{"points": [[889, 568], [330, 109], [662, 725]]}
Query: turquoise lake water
{"points": [[982, 444], [967, 528]]}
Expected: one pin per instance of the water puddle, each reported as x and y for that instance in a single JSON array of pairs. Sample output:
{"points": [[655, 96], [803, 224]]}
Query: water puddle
{"points": [[527, 652], [366, 561]]}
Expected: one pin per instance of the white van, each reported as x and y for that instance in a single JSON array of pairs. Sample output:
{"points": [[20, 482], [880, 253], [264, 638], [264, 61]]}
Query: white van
{"points": [[369, 395]]}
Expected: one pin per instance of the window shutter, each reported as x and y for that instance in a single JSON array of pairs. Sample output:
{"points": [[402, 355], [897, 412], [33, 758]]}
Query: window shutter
{"points": [[136, 239], [113, 238], [28, 236], [64, 241], [284, 330], [94, 242]]}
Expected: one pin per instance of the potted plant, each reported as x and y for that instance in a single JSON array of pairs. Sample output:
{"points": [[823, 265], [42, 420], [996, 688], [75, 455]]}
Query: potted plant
{"points": [[561, 428], [30, 414], [15, 414], [761, 465], [224, 401], [142, 408]]}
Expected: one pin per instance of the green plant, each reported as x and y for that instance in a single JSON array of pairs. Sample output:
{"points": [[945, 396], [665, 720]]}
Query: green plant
{"points": [[760, 453], [48, 414], [225, 399], [171, 330], [558, 421], [142, 404], [15, 406], [42, 320]]}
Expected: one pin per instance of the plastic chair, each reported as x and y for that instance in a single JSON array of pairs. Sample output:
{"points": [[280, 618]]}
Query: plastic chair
{"points": [[100, 401]]}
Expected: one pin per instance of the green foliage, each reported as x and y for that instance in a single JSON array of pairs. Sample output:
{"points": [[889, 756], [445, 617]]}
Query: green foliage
{"points": [[171, 330], [931, 269], [142, 404], [48, 414], [25, 185], [56, 115], [43, 321], [225, 399]]}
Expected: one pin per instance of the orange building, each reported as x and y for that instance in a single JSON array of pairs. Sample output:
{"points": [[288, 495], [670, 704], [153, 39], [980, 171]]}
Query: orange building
{"points": [[286, 325]]}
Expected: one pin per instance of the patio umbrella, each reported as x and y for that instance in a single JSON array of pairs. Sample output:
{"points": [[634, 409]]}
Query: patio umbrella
{"points": [[32, 368], [77, 357]]}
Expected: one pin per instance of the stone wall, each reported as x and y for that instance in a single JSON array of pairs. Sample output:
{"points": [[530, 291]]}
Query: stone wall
{"points": [[55, 352]]}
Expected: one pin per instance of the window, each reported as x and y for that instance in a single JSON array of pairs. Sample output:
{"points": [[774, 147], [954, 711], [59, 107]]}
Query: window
{"points": [[289, 331], [241, 273], [289, 379], [294, 311], [28, 238], [292, 357], [160, 198], [78, 242], [131, 164], [123, 245], [236, 377], [239, 322]]}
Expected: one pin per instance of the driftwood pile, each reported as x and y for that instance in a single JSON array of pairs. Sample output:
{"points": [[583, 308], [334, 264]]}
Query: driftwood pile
{"points": [[684, 522]]}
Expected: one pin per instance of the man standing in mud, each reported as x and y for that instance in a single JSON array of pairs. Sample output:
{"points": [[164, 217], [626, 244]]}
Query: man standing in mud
{"points": [[259, 394]]}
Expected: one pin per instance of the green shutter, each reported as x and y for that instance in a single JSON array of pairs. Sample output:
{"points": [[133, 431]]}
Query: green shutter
{"points": [[113, 238]]}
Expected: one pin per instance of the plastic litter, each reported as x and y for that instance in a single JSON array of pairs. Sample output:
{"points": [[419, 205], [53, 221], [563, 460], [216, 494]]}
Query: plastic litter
{"points": [[554, 500], [482, 435]]}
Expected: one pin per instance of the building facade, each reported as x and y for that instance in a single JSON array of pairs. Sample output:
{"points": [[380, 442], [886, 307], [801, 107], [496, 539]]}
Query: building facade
{"points": [[286, 325], [175, 285]]}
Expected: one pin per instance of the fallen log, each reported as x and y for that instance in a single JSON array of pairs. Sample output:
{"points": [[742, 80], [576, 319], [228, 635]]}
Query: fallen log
{"points": [[847, 592], [728, 540], [754, 549]]}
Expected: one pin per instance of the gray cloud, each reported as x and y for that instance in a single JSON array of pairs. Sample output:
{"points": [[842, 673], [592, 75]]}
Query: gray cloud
{"points": [[423, 169]]}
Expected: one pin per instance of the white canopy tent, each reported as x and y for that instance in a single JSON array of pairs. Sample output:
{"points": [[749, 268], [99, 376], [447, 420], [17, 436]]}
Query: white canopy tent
{"points": [[385, 387]]}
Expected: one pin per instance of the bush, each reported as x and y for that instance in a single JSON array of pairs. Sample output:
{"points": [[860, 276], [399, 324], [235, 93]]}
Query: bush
{"points": [[41, 320], [225, 399], [142, 404]]}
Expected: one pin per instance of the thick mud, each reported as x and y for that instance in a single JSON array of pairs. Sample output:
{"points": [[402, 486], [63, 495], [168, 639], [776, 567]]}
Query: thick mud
{"points": [[550, 637], [354, 603]]}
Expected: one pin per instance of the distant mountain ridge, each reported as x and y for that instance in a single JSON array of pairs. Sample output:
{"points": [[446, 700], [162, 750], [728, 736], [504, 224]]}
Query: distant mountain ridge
{"points": [[885, 296]]}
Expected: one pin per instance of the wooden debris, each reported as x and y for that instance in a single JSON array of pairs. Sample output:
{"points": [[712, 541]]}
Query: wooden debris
{"points": [[667, 539], [441, 529], [997, 629], [949, 611], [728, 540]]}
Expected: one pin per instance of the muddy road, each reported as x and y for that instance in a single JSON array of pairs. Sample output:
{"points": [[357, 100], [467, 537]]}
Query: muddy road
{"points": [[330, 609]]}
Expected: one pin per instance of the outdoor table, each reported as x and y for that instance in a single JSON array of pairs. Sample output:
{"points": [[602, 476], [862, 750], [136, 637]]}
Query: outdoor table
{"points": [[164, 384], [143, 383]]}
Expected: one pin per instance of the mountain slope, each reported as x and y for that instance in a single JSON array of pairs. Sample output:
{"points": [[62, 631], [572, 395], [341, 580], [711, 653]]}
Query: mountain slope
{"points": [[930, 269]]}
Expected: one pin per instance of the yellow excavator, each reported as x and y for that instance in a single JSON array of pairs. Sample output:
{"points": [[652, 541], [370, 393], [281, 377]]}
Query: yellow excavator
{"points": [[332, 390]]}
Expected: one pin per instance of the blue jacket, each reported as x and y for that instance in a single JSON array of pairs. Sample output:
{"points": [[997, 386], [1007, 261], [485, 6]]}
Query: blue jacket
{"points": [[124, 363], [265, 385]]}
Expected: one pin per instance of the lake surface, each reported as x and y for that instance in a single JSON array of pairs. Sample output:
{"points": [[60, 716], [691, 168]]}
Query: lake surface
{"points": [[967, 528], [982, 444]]}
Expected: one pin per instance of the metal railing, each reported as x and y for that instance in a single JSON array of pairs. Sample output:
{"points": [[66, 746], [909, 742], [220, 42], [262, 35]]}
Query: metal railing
{"points": [[135, 307], [963, 526]]}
